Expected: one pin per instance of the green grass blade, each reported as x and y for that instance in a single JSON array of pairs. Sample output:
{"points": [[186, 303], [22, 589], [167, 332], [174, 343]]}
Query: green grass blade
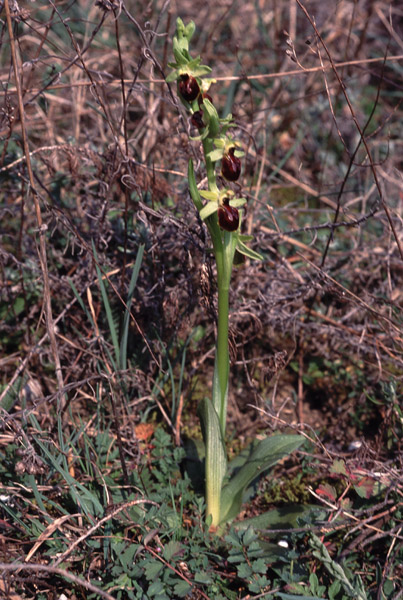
{"points": [[41, 500], [126, 318], [82, 496], [81, 303], [112, 327]]}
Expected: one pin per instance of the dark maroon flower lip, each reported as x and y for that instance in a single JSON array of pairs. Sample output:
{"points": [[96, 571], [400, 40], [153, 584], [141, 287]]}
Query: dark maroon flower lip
{"points": [[228, 217], [188, 87], [230, 165]]}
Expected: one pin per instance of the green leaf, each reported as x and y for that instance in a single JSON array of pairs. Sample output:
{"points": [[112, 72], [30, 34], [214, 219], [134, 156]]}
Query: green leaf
{"points": [[244, 571], [203, 577], [152, 569], [259, 566], [194, 192], [334, 589], [284, 517], [267, 452], [297, 597], [196, 69], [216, 459], [156, 589], [249, 536], [368, 487], [171, 549], [181, 589]]}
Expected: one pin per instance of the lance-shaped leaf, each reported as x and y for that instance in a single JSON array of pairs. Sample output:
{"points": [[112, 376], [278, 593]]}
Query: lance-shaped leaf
{"points": [[285, 517], [265, 454], [194, 192]]}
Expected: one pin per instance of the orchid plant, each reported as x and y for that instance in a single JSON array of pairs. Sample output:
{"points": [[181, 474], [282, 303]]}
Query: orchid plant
{"points": [[221, 210]]}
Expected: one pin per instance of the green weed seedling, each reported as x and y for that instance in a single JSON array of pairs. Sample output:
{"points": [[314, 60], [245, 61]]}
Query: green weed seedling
{"points": [[221, 211]]}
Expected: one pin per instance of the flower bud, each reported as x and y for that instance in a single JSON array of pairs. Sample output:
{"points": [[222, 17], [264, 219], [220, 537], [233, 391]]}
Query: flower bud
{"points": [[188, 87], [228, 217], [230, 165], [197, 119], [202, 97]]}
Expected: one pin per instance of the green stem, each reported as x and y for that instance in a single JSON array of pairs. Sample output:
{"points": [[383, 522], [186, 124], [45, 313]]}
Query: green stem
{"points": [[211, 178], [224, 268], [224, 249], [221, 368]]}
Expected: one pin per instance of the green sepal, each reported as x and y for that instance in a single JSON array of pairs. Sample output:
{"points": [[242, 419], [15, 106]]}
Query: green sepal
{"points": [[246, 251], [237, 202], [172, 76], [215, 155], [196, 69], [209, 195], [209, 209], [211, 117]]}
